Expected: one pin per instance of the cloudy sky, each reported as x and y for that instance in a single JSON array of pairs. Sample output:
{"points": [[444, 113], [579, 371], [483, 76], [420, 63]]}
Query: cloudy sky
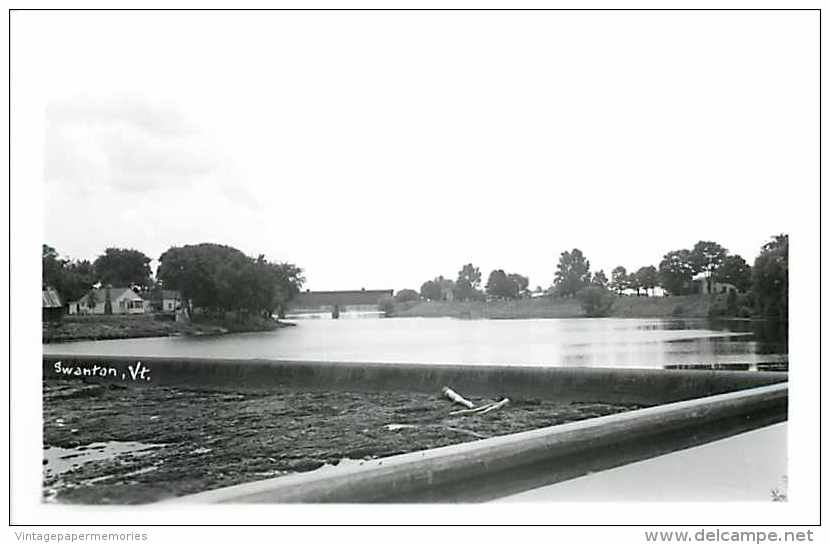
{"points": [[381, 149]]}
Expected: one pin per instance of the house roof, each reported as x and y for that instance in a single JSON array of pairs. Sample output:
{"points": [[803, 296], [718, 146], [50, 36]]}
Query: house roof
{"points": [[115, 293], [311, 299], [157, 295], [51, 299]]}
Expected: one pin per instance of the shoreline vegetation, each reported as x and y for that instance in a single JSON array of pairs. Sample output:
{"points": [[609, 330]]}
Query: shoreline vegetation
{"points": [[126, 326], [673, 306]]}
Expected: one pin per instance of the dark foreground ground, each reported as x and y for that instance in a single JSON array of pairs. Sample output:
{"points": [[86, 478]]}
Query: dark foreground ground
{"points": [[110, 444]]}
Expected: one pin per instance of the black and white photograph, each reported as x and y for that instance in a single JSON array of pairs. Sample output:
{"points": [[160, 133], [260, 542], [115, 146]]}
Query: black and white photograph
{"points": [[518, 263]]}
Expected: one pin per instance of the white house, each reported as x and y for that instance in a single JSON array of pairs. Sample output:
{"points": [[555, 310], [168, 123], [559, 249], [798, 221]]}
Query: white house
{"points": [[123, 301]]}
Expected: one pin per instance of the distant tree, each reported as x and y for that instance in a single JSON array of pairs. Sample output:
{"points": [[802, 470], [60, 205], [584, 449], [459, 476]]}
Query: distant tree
{"points": [[387, 306], [599, 279], [406, 295], [573, 272], [676, 271], [72, 279], [634, 283], [500, 285], [123, 267], [619, 279], [734, 270], [596, 301], [463, 291], [646, 278], [770, 278], [431, 291], [471, 274], [521, 282], [706, 257]]}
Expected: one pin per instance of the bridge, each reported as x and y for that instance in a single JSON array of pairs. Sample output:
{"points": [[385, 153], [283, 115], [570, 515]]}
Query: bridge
{"points": [[324, 304]]}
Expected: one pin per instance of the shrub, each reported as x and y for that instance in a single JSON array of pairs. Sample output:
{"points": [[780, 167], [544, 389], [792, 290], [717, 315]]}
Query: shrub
{"points": [[387, 306], [678, 310], [596, 301]]}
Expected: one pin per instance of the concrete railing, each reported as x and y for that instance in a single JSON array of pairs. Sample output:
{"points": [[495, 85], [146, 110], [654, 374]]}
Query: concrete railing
{"points": [[640, 386], [499, 466]]}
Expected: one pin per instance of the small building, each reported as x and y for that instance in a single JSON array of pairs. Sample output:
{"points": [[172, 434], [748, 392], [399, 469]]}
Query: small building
{"points": [[52, 306], [122, 300], [165, 300], [701, 284]]}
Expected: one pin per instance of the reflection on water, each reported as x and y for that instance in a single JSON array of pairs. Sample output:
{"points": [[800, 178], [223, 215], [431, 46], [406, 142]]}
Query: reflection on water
{"points": [[594, 342]]}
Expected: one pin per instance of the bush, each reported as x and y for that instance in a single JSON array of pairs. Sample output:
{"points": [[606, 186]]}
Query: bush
{"points": [[387, 306], [404, 296], [596, 301], [678, 310]]}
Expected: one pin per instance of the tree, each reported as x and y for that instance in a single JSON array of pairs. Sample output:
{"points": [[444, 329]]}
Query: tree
{"points": [[471, 274], [599, 279], [431, 291], [72, 279], [706, 257], [734, 270], [646, 278], [596, 301], [123, 267], [573, 272], [619, 279], [501, 286], [406, 295], [770, 278], [219, 278], [676, 271], [521, 282], [463, 290]]}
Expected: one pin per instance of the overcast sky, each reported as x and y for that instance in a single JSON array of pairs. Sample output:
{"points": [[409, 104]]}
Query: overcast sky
{"points": [[380, 149]]}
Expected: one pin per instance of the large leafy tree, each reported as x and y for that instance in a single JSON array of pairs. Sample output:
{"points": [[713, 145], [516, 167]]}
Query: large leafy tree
{"points": [[72, 279], [573, 272], [676, 271], [600, 279], [619, 279], [431, 290], [770, 278], [500, 285], [123, 267], [734, 270], [219, 278], [521, 282], [646, 278], [471, 274], [707, 257]]}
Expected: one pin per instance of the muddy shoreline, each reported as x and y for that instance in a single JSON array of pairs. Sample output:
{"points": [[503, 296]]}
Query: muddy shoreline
{"points": [[107, 444]]}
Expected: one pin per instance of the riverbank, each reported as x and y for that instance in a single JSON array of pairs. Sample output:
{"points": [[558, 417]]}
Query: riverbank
{"points": [[686, 306], [110, 444], [106, 327]]}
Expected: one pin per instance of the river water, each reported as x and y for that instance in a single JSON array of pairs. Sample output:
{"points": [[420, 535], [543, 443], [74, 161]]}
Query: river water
{"points": [[591, 342]]}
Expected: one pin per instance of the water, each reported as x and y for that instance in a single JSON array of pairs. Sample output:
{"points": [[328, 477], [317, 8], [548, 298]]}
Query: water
{"points": [[592, 342]]}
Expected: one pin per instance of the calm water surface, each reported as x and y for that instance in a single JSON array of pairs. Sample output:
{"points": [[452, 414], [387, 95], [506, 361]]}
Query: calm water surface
{"points": [[594, 342]]}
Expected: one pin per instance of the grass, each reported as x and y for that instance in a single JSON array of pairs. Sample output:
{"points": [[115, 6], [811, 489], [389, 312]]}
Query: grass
{"points": [[687, 306]]}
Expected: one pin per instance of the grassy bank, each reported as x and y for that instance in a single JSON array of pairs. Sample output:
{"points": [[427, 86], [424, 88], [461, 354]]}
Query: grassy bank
{"points": [[687, 306], [93, 328]]}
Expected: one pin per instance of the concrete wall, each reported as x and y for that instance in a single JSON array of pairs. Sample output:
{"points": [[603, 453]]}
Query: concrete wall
{"points": [[642, 386]]}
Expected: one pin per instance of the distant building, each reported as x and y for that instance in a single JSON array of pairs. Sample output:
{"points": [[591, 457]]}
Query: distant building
{"points": [[336, 303], [52, 306], [701, 285], [123, 301], [165, 300]]}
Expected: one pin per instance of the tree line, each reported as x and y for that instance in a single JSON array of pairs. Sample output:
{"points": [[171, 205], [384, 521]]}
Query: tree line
{"points": [[213, 278], [764, 285]]}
